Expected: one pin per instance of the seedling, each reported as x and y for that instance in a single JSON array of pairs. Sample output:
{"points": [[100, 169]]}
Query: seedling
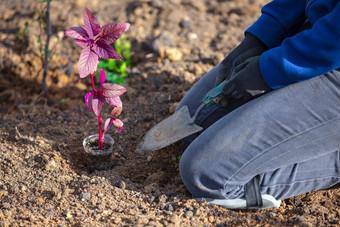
{"points": [[43, 19], [96, 41]]}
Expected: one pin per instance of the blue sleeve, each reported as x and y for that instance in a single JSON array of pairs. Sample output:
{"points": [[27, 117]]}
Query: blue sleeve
{"points": [[279, 20], [310, 53]]}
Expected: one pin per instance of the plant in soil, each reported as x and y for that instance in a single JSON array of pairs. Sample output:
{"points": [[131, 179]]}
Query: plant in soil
{"points": [[42, 16], [96, 42]]}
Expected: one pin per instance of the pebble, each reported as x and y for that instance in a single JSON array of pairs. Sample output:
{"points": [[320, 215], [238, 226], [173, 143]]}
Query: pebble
{"points": [[51, 165], [175, 219], [50, 214], [300, 219], [151, 199], [192, 36], [189, 214], [169, 207], [149, 188], [173, 107], [157, 3], [117, 220], [163, 40], [3, 193], [173, 54], [86, 195], [186, 22], [135, 70], [119, 149], [211, 218], [6, 205], [154, 223], [121, 184], [162, 198], [162, 205]]}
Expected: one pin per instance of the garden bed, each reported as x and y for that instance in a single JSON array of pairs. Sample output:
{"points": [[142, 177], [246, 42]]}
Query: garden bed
{"points": [[43, 178]]}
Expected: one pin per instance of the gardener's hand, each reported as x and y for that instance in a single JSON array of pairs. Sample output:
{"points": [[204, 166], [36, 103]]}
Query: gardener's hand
{"points": [[246, 81], [249, 47]]}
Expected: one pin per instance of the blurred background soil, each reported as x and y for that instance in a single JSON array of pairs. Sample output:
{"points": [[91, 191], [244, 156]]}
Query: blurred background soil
{"points": [[43, 179]]}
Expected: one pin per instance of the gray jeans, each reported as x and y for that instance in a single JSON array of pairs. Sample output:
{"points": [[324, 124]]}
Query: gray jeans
{"points": [[290, 137]]}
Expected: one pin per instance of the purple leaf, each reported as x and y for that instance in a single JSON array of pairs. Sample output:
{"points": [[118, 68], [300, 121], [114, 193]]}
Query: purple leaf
{"points": [[88, 62], [76, 33], [116, 122], [104, 50], [97, 104], [83, 43], [111, 32], [114, 101], [119, 130], [88, 100], [117, 110], [92, 26], [102, 76], [119, 124], [111, 90], [107, 124]]}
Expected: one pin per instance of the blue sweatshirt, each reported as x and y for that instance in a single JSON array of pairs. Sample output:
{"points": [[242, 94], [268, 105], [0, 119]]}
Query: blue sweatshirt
{"points": [[296, 57]]}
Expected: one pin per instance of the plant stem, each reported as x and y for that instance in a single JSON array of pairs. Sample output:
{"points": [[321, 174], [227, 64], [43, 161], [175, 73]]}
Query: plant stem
{"points": [[92, 80], [48, 34], [100, 140]]}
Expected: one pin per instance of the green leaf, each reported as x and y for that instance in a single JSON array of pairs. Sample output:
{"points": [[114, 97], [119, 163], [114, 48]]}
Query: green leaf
{"points": [[111, 64], [116, 70], [103, 64], [65, 100]]}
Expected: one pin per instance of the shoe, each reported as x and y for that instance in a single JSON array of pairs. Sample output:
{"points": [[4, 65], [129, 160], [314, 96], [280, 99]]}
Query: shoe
{"points": [[267, 200]]}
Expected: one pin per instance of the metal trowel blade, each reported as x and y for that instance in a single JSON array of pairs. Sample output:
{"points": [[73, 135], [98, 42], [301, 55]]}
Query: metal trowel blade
{"points": [[169, 131]]}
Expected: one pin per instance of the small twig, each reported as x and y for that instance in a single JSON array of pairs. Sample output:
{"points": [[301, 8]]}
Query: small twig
{"points": [[18, 133], [138, 193], [48, 34]]}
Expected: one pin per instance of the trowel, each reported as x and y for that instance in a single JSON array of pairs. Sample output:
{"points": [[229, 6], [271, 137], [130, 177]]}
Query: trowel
{"points": [[179, 125]]}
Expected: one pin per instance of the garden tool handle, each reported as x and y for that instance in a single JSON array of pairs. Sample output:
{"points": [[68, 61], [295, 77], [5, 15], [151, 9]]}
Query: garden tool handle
{"points": [[214, 96]]}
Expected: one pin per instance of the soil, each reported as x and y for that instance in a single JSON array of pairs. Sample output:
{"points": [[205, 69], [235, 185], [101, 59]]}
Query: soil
{"points": [[43, 178]]}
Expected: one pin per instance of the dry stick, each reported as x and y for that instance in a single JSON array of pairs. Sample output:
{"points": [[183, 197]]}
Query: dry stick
{"points": [[48, 34]]}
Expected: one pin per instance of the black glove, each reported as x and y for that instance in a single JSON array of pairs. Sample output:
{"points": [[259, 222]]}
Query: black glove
{"points": [[249, 47], [246, 81]]}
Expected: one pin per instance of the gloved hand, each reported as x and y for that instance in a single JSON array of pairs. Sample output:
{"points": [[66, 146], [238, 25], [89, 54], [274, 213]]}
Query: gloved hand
{"points": [[246, 81], [249, 47]]}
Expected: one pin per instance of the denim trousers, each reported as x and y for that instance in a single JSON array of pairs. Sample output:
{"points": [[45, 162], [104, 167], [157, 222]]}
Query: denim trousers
{"points": [[290, 137]]}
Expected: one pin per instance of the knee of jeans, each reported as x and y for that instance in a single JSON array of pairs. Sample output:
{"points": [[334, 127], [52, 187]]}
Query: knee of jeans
{"points": [[202, 183], [189, 168], [186, 169], [193, 170]]}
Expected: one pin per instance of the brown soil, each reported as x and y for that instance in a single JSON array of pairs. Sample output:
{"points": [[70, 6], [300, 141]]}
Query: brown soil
{"points": [[43, 179]]}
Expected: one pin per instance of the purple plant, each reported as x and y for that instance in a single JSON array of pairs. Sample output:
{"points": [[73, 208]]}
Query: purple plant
{"points": [[96, 41]]}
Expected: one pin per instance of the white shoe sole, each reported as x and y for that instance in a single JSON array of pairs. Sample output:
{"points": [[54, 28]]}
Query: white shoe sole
{"points": [[268, 202]]}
